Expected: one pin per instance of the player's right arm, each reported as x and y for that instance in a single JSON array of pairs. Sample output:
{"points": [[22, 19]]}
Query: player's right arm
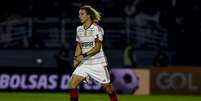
{"points": [[77, 49], [77, 53]]}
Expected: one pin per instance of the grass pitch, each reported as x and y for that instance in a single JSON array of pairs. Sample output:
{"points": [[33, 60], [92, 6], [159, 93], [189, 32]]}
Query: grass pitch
{"points": [[16, 96]]}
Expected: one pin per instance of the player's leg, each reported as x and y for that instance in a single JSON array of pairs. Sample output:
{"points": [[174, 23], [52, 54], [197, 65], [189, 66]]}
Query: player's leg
{"points": [[107, 86], [75, 81], [109, 90], [73, 84], [77, 77], [100, 73]]}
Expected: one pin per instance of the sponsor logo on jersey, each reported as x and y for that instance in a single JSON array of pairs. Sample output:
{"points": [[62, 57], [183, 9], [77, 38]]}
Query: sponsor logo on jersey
{"points": [[87, 44]]}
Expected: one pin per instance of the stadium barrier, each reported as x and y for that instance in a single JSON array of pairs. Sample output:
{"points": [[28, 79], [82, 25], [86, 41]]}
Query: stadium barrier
{"points": [[144, 82], [176, 80], [157, 80], [169, 81], [51, 80]]}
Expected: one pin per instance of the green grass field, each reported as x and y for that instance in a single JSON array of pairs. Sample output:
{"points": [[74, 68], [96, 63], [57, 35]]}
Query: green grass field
{"points": [[8, 96]]}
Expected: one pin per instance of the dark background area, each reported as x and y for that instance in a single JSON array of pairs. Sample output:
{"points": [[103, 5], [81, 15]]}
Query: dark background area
{"points": [[177, 20]]}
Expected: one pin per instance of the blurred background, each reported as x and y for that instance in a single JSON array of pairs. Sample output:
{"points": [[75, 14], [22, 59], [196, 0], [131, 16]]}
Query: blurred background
{"points": [[152, 46]]}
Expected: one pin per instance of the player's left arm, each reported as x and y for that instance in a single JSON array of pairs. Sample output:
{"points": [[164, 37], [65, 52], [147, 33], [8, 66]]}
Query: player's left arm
{"points": [[95, 49], [91, 52]]}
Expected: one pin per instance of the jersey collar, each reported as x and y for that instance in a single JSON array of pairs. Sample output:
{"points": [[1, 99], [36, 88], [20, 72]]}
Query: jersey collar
{"points": [[87, 27]]}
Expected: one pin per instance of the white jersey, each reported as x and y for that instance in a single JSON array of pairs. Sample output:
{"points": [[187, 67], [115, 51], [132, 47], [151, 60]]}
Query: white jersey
{"points": [[86, 38]]}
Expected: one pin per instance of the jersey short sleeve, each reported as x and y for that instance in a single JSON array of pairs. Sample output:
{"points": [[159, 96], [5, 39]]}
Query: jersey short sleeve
{"points": [[99, 33], [77, 36]]}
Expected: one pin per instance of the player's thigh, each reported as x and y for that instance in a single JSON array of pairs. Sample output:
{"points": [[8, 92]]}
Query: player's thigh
{"points": [[79, 74], [99, 73], [75, 80]]}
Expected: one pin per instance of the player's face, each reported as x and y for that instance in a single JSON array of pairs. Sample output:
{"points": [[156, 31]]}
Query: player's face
{"points": [[83, 16]]}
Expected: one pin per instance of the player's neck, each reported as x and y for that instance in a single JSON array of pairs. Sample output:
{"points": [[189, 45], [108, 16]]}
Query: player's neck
{"points": [[87, 24]]}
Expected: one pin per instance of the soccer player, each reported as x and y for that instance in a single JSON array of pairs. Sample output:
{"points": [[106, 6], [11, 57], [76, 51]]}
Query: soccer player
{"points": [[89, 59]]}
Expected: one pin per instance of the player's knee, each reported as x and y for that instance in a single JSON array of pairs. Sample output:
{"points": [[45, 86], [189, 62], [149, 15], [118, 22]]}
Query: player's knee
{"points": [[75, 81], [108, 87], [72, 84]]}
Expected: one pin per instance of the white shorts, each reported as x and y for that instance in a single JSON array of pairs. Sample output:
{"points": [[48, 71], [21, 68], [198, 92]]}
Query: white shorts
{"points": [[97, 72]]}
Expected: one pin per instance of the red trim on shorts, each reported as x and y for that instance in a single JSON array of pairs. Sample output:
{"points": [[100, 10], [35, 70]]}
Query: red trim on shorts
{"points": [[107, 73]]}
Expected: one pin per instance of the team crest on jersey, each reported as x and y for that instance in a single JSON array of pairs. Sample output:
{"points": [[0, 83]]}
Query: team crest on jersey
{"points": [[90, 33]]}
